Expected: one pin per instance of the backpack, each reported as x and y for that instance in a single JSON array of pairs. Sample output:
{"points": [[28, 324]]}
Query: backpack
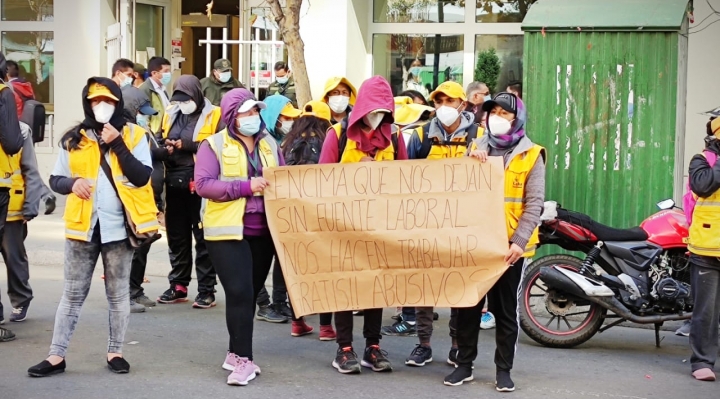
{"points": [[304, 150], [427, 143], [342, 139], [690, 199], [34, 115]]}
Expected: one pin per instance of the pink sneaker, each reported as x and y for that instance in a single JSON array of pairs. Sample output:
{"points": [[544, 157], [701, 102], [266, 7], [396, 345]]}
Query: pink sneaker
{"points": [[243, 373], [230, 363]]}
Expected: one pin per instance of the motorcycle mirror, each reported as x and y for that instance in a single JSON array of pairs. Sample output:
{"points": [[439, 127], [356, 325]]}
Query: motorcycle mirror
{"points": [[666, 204]]}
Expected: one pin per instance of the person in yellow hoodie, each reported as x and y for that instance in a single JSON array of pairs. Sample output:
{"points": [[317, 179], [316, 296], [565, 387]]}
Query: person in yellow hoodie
{"points": [[340, 95], [95, 216]]}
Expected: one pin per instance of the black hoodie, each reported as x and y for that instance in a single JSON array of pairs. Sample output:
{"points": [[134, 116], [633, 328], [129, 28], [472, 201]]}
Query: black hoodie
{"points": [[134, 170], [11, 138]]}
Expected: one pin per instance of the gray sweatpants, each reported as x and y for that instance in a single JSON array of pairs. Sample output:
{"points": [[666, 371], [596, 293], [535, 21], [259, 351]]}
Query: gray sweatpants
{"points": [[80, 260], [705, 317], [16, 261]]}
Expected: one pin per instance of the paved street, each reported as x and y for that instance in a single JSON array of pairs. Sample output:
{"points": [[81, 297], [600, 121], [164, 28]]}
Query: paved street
{"points": [[176, 351]]}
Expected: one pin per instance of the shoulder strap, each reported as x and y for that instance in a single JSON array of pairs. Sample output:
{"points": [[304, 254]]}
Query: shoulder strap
{"points": [[342, 138], [108, 172], [426, 142], [472, 133], [394, 140]]}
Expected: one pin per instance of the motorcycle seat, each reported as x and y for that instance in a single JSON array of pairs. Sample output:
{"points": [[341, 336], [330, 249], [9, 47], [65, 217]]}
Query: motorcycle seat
{"points": [[601, 231]]}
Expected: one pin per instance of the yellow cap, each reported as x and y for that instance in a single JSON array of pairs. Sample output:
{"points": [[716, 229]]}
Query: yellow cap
{"points": [[715, 127], [332, 83], [402, 100], [318, 109], [410, 113], [450, 89], [98, 90], [290, 111]]}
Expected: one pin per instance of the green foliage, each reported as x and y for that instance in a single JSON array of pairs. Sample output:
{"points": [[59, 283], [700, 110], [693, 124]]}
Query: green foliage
{"points": [[487, 69]]}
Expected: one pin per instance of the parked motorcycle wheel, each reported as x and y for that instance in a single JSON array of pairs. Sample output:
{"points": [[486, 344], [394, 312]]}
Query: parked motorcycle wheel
{"points": [[550, 318]]}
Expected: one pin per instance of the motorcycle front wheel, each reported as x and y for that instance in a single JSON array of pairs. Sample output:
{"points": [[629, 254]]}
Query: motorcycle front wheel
{"points": [[552, 318]]}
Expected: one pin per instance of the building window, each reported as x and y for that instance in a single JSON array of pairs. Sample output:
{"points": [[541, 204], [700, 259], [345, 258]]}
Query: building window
{"points": [[26, 10], [418, 62], [34, 53], [505, 51], [149, 30], [502, 10], [419, 10]]}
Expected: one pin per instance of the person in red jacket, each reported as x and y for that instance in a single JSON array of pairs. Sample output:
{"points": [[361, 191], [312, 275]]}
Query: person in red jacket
{"points": [[22, 89]]}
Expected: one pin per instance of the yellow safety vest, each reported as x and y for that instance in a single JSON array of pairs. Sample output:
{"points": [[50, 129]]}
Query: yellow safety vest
{"points": [[224, 220], [6, 169], [84, 162], [209, 127], [440, 151], [17, 191], [353, 154], [704, 239], [516, 174]]}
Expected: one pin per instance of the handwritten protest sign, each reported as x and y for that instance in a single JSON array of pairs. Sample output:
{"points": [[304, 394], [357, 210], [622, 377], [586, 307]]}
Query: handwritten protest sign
{"points": [[383, 234]]}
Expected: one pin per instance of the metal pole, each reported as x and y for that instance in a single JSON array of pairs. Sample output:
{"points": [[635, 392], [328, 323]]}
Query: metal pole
{"points": [[208, 54], [272, 55], [241, 23], [257, 62], [224, 46]]}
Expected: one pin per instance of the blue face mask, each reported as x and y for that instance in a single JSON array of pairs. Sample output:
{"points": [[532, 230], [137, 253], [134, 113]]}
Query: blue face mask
{"points": [[488, 97], [282, 80], [415, 71], [249, 125], [142, 121], [166, 78]]}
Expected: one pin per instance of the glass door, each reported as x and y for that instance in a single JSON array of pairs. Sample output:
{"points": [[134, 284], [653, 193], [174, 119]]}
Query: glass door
{"points": [[151, 34]]}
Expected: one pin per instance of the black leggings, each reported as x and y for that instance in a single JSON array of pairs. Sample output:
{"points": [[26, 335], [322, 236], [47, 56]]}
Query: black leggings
{"points": [[242, 267]]}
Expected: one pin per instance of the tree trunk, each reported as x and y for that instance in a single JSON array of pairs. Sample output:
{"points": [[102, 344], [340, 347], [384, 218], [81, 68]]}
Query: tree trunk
{"points": [[288, 20]]}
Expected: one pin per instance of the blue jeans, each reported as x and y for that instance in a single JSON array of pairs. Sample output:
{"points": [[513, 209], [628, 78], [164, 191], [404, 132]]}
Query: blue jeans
{"points": [[80, 260]]}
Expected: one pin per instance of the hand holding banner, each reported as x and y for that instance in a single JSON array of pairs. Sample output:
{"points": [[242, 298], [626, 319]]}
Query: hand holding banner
{"points": [[384, 234]]}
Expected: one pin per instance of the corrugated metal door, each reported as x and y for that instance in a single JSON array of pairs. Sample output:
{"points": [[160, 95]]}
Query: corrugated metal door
{"points": [[604, 105]]}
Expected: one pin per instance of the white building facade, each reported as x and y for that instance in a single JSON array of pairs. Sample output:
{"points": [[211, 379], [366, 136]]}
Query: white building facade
{"points": [[60, 43]]}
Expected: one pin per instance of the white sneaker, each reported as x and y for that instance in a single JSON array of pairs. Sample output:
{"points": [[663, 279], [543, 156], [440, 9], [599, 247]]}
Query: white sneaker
{"points": [[487, 321]]}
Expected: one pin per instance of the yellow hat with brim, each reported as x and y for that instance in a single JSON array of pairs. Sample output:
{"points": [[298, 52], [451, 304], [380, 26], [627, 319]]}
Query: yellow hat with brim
{"points": [[450, 89], [290, 111], [332, 83], [715, 127], [403, 100], [97, 90], [410, 113], [318, 109]]}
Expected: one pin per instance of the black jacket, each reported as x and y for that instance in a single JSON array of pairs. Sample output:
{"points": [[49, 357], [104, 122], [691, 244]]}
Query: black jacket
{"points": [[704, 180], [11, 138]]}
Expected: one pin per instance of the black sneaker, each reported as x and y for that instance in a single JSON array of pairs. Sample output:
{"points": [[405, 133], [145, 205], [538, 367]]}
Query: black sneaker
{"points": [[176, 293], [284, 309], [400, 329], [503, 382], [204, 300], [6, 335], [420, 356], [436, 316], [458, 376], [452, 357], [267, 313], [346, 361], [376, 359], [45, 369]]}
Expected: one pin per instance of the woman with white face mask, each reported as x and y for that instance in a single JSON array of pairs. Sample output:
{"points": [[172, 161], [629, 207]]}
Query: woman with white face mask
{"points": [[340, 95], [524, 195], [189, 120], [229, 173], [95, 214]]}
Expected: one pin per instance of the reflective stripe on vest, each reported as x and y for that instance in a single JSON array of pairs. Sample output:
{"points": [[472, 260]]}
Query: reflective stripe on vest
{"points": [[704, 239], [516, 175], [352, 154], [224, 220]]}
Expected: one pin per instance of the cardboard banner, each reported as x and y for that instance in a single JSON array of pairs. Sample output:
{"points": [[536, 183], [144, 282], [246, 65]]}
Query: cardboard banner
{"points": [[384, 234]]}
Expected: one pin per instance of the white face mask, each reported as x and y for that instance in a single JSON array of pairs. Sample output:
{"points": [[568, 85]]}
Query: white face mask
{"points": [[338, 103], [286, 126], [373, 120], [103, 112], [188, 108], [225, 76], [126, 82], [498, 125], [447, 115]]}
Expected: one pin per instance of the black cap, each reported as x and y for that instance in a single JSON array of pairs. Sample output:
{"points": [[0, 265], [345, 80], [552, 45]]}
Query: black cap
{"points": [[507, 101], [180, 97]]}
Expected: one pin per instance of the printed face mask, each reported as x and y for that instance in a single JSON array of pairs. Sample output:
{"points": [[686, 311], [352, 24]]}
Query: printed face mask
{"points": [[188, 107], [249, 125], [338, 103], [225, 76], [498, 125], [447, 115], [373, 120], [103, 112]]}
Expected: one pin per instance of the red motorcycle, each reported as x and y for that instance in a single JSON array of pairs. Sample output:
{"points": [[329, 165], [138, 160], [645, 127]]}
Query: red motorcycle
{"points": [[641, 275]]}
